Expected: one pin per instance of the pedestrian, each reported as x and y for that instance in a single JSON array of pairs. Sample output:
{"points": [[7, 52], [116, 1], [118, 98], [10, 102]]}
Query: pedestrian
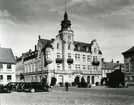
{"points": [[66, 85]]}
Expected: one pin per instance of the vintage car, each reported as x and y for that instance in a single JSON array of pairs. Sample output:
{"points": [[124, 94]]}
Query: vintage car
{"points": [[36, 86]]}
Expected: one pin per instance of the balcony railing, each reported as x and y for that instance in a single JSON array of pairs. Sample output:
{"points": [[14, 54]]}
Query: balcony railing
{"points": [[96, 63], [59, 60], [70, 61]]}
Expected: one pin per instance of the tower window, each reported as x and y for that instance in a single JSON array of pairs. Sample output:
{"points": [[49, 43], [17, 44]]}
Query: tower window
{"points": [[69, 46], [58, 45]]}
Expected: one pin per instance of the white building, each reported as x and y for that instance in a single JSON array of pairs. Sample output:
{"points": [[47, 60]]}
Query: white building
{"points": [[7, 66], [63, 58]]}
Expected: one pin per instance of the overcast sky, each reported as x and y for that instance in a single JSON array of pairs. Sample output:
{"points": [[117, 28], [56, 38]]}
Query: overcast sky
{"points": [[110, 22]]}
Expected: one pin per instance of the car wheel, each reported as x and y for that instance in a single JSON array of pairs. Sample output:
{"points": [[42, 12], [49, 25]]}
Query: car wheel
{"points": [[32, 90], [49, 89]]}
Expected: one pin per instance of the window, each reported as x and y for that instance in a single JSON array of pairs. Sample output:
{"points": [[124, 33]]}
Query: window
{"points": [[48, 54], [88, 67], [1, 77], [69, 66], [58, 45], [8, 66], [132, 78], [58, 55], [95, 50], [9, 77], [69, 55], [69, 46], [79, 57], [84, 67], [76, 66], [76, 57], [94, 58], [84, 58], [69, 37], [88, 58], [1, 66], [58, 67]]}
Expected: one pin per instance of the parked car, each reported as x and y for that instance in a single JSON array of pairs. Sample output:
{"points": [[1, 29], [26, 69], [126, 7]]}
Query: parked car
{"points": [[36, 86], [4, 89], [12, 85]]}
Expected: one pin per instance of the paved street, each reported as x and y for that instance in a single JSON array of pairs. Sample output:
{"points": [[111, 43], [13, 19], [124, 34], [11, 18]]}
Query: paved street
{"points": [[75, 96]]}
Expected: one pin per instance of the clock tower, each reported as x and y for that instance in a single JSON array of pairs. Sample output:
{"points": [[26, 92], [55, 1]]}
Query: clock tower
{"points": [[67, 37]]}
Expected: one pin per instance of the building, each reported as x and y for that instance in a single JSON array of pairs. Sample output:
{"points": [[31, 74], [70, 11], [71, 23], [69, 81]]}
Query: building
{"points": [[63, 58], [109, 67], [129, 66], [7, 66]]}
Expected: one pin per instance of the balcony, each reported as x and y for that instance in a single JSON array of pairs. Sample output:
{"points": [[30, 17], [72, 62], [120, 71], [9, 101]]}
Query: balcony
{"points": [[59, 60], [48, 60], [70, 61], [95, 63]]}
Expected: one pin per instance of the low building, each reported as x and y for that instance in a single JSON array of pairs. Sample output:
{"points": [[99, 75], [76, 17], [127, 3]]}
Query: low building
{"points": [[7, 66], [109, 67], [129, 66]]}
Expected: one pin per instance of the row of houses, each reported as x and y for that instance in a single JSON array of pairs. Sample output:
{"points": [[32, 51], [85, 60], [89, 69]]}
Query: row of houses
{"points": [[61, 57]]}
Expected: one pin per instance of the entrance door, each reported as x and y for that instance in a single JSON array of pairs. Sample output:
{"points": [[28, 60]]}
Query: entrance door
{"points": [[88, 79]]}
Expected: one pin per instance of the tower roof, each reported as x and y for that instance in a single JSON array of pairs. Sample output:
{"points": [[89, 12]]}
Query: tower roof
{"points": [[65, 24]]}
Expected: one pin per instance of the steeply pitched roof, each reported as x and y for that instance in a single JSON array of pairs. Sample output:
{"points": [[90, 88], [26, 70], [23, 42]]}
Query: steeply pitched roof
{"points": [[131, 50], [6, 56], [110, 65], [82, 46]]}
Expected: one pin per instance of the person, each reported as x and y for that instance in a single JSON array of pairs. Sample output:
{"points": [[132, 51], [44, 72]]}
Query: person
{"points": [[66, 85]]}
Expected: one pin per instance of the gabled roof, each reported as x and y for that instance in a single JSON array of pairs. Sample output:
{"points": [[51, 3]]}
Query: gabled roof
{"points": [[6, 56], [110, 65], [131, 50]]}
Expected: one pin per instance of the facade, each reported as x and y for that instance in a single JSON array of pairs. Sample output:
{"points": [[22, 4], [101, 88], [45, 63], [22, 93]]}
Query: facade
{"points": [[129, 66], [7, 66], [63, 58], [108, 67]]}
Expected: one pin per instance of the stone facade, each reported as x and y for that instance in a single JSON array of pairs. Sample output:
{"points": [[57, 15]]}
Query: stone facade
{"points": [[63, 58], [129, 66]]}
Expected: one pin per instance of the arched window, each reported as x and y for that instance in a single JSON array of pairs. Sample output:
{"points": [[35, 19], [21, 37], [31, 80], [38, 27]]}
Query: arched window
{"points": [[58, 45], [69, 46], [92, 79]]}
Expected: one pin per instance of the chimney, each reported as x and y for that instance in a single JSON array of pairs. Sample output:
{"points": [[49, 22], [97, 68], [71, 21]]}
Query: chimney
{"points": [[118, 62], [30, 50], [39, 37], [102, 59]]}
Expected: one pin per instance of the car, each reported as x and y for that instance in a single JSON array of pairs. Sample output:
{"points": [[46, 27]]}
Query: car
{"points": [[4, 89], [36, 86], [11, 85]]}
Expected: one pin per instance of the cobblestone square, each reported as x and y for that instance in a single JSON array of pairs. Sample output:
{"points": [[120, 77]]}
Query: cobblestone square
{"points": [[75, 96]]}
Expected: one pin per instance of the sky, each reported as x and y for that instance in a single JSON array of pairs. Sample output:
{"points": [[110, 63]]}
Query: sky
{"points": [[110, 22]]}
